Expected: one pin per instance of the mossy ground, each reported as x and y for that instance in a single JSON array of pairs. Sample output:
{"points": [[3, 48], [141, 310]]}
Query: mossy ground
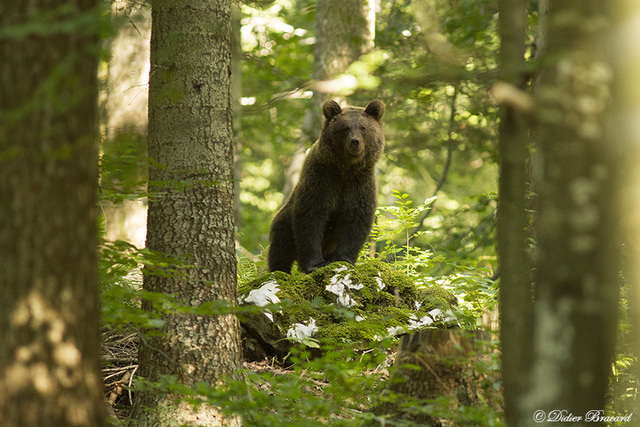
{"points": [[376, 299]]}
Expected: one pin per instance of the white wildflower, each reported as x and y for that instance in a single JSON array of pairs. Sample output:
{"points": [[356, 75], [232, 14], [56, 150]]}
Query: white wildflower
{"points": [[301, 331], [345, 300], [266, 294], [444, 317], [415, 323], [395, 330], [339, 285]]}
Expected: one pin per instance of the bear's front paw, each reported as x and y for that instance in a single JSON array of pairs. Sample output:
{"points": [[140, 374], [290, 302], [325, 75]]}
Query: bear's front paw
{"points": [[315, 265], [344, 258]]}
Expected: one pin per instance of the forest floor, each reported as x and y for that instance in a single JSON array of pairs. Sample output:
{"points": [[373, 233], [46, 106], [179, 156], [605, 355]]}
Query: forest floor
{"points": [[120, 365]]}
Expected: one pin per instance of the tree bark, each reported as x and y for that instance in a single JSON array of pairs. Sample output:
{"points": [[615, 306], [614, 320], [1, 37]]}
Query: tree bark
{"points": [[433, 364], [236, 96], [191, 210], [577, 266], [124, 121], [49, 314], [626, 61], [516, 302], [345, 30]]}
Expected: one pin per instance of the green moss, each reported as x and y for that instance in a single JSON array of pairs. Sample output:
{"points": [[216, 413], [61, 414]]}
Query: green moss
{"points": [[375, 298], [437, 297]]}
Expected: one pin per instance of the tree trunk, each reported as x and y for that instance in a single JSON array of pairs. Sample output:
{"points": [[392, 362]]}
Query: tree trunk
{"points": [[516, 303], [49, 314], [191, 211], [577, 266], [236, 96], [124, 121], [345, 31], [437, 364], [626, 60]]}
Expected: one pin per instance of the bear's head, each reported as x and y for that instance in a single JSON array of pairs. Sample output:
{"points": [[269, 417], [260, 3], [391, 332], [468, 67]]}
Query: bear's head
{"points": [[353, 135]]}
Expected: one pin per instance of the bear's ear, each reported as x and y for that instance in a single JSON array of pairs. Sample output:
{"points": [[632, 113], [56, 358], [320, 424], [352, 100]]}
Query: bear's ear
{"points": [[375, 109], [331, 109]]}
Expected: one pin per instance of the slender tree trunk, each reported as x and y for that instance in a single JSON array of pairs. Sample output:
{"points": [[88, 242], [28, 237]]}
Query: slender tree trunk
{"points": [[626, 60], [516, 303], [124, 120], [236, 96], [49, 316], [191, 212], [577, 266], [126, 94], [444, 53], [345, 30]]}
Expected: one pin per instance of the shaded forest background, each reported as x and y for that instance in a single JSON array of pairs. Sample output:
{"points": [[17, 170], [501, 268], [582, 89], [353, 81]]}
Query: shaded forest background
{"points": [[442, 128]]}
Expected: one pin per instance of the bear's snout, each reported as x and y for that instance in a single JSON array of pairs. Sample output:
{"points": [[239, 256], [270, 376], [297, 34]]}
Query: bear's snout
{"points": [[355, 148]]}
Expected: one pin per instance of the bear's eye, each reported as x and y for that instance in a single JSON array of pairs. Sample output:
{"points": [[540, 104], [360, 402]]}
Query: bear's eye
{"points": [[362, 128]]}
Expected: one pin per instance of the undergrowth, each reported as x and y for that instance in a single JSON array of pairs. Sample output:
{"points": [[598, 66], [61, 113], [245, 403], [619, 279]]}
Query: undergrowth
{"points": [[320, 383]]}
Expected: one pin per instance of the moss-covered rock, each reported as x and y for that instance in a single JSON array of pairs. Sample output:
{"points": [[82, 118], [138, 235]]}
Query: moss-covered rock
{"points": [[339, 303]]}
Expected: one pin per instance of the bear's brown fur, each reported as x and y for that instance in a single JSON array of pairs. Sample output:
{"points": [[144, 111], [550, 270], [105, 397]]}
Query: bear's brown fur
{"points": [[330, 212]]}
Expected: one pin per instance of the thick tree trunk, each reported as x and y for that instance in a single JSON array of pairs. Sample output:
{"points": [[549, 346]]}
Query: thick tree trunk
{"points": [[49, 316], [191, 211], [516, 302], [576, 270]]}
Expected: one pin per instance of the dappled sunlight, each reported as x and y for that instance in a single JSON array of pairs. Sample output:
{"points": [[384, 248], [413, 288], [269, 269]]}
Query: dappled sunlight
{"points": [[48, 361]]}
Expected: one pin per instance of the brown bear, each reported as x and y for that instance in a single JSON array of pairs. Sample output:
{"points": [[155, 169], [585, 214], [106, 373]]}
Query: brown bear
{"points": [[330, 212]]}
